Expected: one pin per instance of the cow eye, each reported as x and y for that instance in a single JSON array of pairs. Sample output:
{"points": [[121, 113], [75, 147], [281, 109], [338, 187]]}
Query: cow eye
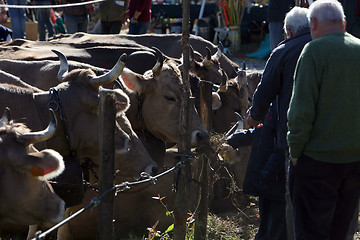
{"points": [[171, 99]]}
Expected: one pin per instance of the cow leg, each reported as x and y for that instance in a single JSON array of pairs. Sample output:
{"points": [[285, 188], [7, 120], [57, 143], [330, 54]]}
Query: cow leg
{"points": [[64, 232], [32, 230]]}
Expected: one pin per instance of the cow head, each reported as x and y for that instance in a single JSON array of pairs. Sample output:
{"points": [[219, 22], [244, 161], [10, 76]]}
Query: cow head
{"points": [[26, 196], [79, 93], [137, 160], [206, 68], [233, 97], [159, 93], [128, 146]]}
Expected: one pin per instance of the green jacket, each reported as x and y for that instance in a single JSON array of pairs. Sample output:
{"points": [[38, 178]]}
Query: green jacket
{"points": [[324, 112], [113, 10]]}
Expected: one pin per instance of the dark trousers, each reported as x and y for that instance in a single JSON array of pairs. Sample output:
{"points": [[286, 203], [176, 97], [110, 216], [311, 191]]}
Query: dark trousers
{"points": [[272, 220], [111, 27], [325, 197]]}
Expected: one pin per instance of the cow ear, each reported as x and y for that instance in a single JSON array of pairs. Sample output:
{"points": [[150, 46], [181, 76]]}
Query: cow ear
{"points": [[216, 101], [122, 101], [131, 80], [45, 164]]}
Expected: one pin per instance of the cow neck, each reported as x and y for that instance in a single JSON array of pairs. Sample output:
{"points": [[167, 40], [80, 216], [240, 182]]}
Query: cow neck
{"points": [[53, 101]]}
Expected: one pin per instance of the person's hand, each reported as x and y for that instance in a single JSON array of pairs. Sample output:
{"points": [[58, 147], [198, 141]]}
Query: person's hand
{"points": [[133, 20], [253, 123]]}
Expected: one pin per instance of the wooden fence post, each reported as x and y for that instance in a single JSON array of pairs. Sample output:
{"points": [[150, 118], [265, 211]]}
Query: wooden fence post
{"points": [[205, 108], [184, 173], [107, 114]]}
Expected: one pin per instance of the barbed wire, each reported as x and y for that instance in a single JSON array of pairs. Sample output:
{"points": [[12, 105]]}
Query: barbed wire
{"points": [[117, 188], [51, 6]]}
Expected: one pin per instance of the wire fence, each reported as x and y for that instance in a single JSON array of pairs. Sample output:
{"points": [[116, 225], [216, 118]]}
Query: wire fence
{"points": [[116, 188], [50, 6]]}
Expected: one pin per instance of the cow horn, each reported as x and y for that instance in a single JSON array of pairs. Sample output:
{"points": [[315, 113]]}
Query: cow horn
{"points": [[112, 75], [207, 59], [221, 46], [217, 55], [224, 77], [241, 75], [240, 121], [64, 65], [40, 136], [159, 63], [5, 117], [191, 55]]}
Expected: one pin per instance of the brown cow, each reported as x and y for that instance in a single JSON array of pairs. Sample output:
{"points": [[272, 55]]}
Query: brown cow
{"points": [[153, 88], [12, 79], [233, 94], [79, 103], [134, 161], [102, 51], [169, 44], [156, 98], [25, 196], [41, 74]]}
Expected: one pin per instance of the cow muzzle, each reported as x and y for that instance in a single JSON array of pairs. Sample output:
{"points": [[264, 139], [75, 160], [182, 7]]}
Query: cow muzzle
{"points": [[151, 169], [57, 217], [199, 138]]}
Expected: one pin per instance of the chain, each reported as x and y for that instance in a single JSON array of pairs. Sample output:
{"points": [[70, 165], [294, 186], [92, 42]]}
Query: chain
{"points": [[55, 100]]}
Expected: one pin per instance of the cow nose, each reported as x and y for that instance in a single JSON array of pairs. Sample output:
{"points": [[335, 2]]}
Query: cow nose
{"points": [[151, 169], [201, 137]]}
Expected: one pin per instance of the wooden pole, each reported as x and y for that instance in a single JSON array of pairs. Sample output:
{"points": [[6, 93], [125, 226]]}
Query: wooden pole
{"points": [[184, 146], [205, 108], [107, 153]]}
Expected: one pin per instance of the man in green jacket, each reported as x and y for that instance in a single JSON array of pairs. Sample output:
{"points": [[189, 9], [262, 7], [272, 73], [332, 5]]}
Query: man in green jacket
{"points": [[324, 150]]}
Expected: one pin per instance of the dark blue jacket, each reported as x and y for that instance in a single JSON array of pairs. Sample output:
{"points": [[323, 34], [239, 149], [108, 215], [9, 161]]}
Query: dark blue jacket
{"points": [[265, 174], [4, 32], [277, 82]]}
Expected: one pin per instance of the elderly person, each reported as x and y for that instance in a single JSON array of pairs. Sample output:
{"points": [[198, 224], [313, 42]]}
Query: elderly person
{"points": [[326, 155], [265, 175]]}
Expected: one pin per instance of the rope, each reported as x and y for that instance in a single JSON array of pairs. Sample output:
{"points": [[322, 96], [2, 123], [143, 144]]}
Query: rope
{"points": [[124, 186], [50, 6]]}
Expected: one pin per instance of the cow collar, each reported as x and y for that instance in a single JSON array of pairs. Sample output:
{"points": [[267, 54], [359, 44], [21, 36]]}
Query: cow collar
{"points": [[55, 104]]}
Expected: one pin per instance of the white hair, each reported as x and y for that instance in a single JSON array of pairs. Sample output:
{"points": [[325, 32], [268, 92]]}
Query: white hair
{"points": [[323, 10], [296, 19]]}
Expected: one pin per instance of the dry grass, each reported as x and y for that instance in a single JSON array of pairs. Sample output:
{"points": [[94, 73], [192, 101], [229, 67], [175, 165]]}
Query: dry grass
{"points": [[234, 225]]}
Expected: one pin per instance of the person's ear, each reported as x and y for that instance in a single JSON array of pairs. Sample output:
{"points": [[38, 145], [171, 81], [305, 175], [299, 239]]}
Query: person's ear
{"points": [[289, 33], [313, 24]]}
